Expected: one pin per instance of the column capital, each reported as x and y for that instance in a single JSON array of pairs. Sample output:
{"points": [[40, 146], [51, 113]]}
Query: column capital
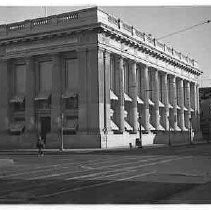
{"points": [[172, 76], [132, 61], [106, 53]]}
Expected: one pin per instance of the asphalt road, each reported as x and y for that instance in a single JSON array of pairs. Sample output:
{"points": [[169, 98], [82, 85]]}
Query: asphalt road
{"points": [[141, 176]]}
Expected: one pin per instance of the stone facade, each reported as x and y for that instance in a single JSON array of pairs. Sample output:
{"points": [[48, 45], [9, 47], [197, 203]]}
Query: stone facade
{"points": [[205, 112], [95, 79]]}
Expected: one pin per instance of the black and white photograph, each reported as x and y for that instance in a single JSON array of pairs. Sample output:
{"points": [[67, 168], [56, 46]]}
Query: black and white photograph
{"points": [[105, 104]]}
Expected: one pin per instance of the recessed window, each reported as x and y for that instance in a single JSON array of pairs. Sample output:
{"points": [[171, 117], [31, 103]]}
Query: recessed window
{"points": [[71, 103], [20, 79], [45, 71], [71, 75]]}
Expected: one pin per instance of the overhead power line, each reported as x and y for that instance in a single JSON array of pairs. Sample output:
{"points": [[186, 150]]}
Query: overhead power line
{"points": [[185, 29]]}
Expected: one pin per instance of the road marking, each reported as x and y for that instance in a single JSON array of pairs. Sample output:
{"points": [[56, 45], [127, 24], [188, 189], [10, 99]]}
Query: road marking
{"points": [[92, 175], [68, 172], [40, 168], [94, 185], [127, 168]]}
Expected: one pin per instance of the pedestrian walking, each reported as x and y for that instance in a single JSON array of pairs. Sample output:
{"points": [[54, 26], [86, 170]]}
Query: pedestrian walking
{"points": [[40, 146]]}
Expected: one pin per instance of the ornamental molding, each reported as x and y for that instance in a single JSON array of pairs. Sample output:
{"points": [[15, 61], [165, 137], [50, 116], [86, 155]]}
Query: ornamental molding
{"points": [[120, 37]]}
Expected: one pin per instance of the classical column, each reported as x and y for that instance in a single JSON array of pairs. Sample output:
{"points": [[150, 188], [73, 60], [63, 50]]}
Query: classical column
{"points": [[173, 94], [181, 103], [145, 82], [107, 102], [156, 100], [188, 104], [133, 94], [30, 94], [121, 95], [166, 100], [56, 92]]}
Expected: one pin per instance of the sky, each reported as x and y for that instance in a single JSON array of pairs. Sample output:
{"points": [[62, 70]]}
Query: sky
{"points": [[156, 20]]}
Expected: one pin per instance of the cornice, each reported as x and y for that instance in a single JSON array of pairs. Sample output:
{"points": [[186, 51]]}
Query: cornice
{"points": [[131, 41]]}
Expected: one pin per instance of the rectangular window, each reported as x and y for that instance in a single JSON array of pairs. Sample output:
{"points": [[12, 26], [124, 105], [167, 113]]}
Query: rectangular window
{"points": [[71, 103], [20, 79], [45, 70], [126, 78], [112, 74], [71, 74]]}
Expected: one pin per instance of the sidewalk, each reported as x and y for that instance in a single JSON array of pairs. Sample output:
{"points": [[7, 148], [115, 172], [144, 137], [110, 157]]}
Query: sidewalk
{"points": [[75, 151], [94, 150]]}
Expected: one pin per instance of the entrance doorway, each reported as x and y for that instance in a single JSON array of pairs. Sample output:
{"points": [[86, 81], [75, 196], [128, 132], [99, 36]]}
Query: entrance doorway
{"points": [[45, 123]]}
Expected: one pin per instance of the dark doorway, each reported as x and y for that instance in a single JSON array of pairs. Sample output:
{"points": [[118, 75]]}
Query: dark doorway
{"points": [[45, 126]]}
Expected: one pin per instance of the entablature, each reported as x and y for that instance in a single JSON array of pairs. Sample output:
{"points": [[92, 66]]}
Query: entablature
{"points": [[120, 38]]}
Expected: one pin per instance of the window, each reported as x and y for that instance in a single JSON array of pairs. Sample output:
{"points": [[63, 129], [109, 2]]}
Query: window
{"points": [[112, 73], [71, 74], [126, 78], [71, 125], [45, 70], [20, 79], [72, 102], [18, 107]]}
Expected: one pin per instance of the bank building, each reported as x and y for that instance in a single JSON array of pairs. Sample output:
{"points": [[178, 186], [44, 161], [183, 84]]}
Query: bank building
{"points": [[95, 79]]}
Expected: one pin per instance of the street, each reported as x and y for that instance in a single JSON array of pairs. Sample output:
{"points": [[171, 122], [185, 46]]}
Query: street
{"points": [[140, 176]]}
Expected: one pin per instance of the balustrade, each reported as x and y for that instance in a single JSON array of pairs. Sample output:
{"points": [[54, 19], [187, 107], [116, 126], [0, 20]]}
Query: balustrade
{"points": [[68, 17]]}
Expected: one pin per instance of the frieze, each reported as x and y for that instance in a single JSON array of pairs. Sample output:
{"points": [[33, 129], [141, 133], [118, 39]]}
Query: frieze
{"points": [[41, 44]]}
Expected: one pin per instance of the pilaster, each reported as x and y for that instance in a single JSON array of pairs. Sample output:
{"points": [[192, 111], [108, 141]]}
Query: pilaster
{"points": [[30, 94], [56, 92], [4, 93], [83, 97], [107, 102]]}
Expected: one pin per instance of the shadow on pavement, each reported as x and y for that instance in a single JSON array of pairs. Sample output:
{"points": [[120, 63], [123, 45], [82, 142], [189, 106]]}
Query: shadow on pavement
{"points": [[90, 192]]}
